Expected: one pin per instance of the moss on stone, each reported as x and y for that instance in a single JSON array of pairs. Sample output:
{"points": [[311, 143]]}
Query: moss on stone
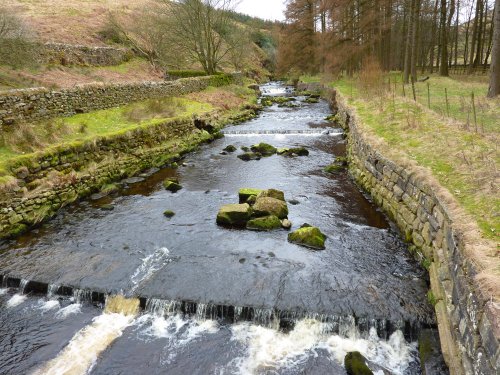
{"points": [[265, 223], [272, 193], [308, 236], [245, 193], [172, 184], [264, 149], [169, 213], [354, 364], [265, 206], [236, 215]]}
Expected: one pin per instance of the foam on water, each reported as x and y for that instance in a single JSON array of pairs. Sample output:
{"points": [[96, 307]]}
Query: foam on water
{"points": [[15, 300], [177, 329], [81, 354], [268, 348], [74, 308], [150, 264], [3, 291], [45, 305]]}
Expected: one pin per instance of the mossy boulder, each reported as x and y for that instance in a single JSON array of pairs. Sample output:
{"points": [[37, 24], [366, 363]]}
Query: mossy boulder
{"points": [[169, 214], [355, 364], [338, 165], [334, 168], [308, 236], [172, 184], [265, 223], [272, 193], [247, 156], [266, 206], [264, 149], [235, 215], [311, 100], [245, 193], [296, 151], [230, 148]]}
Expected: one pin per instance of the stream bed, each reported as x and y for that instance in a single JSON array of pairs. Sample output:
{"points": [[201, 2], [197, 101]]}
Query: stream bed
{"points": [[217, 300]]}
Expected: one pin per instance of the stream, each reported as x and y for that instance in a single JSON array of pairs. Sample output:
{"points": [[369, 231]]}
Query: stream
{"points": [[216, 300]]}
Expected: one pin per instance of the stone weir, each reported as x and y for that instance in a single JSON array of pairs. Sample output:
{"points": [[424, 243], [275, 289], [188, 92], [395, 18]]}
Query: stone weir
{"points": [[261, 315], [468, 319]]}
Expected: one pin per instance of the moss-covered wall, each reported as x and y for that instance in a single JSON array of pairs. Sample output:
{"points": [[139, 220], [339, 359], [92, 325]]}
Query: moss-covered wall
{"points": [[467, 319], [41, 103]]}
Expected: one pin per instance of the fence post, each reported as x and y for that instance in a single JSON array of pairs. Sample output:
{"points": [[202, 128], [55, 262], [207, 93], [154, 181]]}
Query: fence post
{"points": [[447, 104], [428, 95], [474, 110], [413, 89]]}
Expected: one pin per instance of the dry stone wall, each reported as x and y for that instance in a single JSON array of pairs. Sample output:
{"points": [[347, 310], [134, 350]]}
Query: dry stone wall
{"points": [[468, 320], [69, 54], [27, 105]]}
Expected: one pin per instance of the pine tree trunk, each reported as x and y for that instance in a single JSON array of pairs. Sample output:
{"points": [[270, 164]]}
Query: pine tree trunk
{"points": [[443, 68], [494, 88]]}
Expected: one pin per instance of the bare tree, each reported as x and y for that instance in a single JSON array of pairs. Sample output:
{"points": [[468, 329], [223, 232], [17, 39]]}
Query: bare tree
{"points": [[494, 88], [201, 29]]}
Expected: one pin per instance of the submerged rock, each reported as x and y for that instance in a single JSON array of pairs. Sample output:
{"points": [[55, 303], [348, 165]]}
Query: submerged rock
{"points": [[308, 236], [264, 149], [265, 223], [236, 215], [272, 193], [311, 100], [230, 148], [247, 156], [265, 206], [169, 213], [107, 207], [172, 184], [338, 165], [354, 364], [245, 193], [297, 151]]}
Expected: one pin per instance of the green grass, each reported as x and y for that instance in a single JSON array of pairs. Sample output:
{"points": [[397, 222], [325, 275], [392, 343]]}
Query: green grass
{"points": [[464, 161], [30, 138], [459, 90]]}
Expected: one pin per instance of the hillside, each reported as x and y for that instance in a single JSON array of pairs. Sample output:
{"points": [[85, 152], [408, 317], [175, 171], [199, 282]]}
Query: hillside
{"points": [[87, 23], [73, 22]]}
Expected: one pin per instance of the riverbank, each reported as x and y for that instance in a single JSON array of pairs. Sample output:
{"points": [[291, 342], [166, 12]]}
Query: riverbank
{"points": [[85, 153], [461, 259]]}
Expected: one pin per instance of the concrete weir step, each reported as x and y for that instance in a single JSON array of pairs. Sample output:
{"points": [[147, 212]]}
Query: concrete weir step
{"points": [[269, 317]]}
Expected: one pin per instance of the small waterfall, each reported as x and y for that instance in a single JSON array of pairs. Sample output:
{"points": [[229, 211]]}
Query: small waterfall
{"points": [[121, 305], [82, 295], [22, 285], [312, 132], [80, 354], [52, 290], [162, 308]]}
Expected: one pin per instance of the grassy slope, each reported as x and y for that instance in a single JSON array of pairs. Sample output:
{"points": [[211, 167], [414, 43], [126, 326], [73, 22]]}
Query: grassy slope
{"points": [[39, 136], [462, 160], [57, 76]]}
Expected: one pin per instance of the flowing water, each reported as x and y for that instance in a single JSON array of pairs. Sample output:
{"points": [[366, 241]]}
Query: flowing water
{"points": [[216, 300]]}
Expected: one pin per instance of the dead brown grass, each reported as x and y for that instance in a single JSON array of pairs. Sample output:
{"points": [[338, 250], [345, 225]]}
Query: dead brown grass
{"points": [[71, 21]]}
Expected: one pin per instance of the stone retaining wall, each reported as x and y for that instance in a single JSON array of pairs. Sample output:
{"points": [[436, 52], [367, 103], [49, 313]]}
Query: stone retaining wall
{"points": [[468, 322], [69, 54], [28, 105], [54, 178]]}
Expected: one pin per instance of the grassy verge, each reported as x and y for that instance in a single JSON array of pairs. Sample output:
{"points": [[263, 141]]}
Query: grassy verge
{"points": [[26, 139], [463, 161]]}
